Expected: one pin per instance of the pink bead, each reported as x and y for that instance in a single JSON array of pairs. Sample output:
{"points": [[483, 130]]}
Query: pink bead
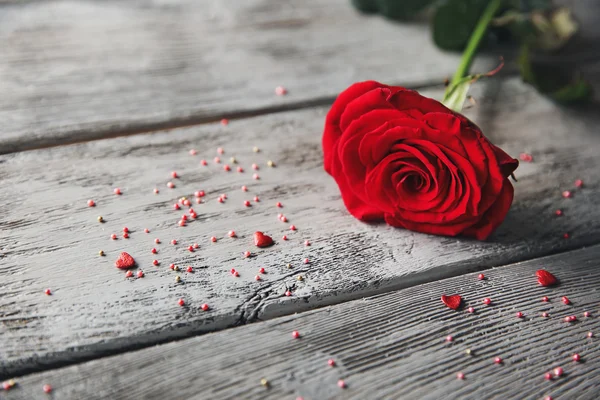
{"points": [[176, 206], [199, 193], [292, 227], [306, 261], [236, 274], [47, 388], [471, 310], [288, 293], [255, 177], [331, 362], [174, 175], [128, 274], [224, 121], [125, 229], [481, 277], [565, 300], [548, 398], [203, 162], [187, 202], [566, 235], [284, 237], [586, 314], [578, 183], [146, 230], [240, 169], [224, 196], [558, 371], [117, 191], [497, 360], [283, 218], [566, 194], [213, 239], [526, 157], [217, 160], [220, 150], [590, 334], [307, 243], [190, 248], [232, 234], [261, 270], [257, 278], [280, 91], [576, 357], [247, 254], [545, 299], [205, 307], [172, 266], [170, 185], [221, 200], [545, 314], [153, 251], [519, 314], [487, 301], [460, 376], [196, 245], [449, 338], [341, 384], [226, 167], [173, 241], [157, 241], [184, 217], [156, 191], [255, 167], [558, 213], [155, 262], [113, 236], [189, 269], [295, 334], [193, 152], [48, 292], [256, 199], [244, 188], [91, 203], [247, 203], [232, 271], [125, 235], [548, 376], [198, 200], [193, 215], [140, 274], [278, 204], [181, 302]]}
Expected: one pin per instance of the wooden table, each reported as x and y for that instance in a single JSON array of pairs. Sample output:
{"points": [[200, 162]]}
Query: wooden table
{"points": [[98, 95]]}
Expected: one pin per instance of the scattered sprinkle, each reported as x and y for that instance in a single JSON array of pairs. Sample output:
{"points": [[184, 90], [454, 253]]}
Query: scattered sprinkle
{"points": [[255, 149], [565, 300], [567, 194], [284, 237], [91, 203], [306, 261], [449, 338], [292, 227], [545, 314], [170, 185], [156, 191], [460, 376], [231, 234], [203, 162], [307, 243], [140, 274], [117, 191], [331, 362], [341, 384], [155, 262], [487, 301], [525, 157], [578, 183], [181, 302], [481, 277], [205, 307], [280, 91], [278, 204], [270, 163], [47, 388], [129, 274], [247, 203], [558, 371], [100, 219], [255, 177], [519, 314], [220, 150], [261, 270], [471, 310], [193, 152], [113, 236], [101, 253], [153, 251], [224, 121], [586, 314], [226, 167], [174, 175], [48, 292], [558, 212], [545, 299], [497, 360], [295, 334], [576, 357], [177, 279]]}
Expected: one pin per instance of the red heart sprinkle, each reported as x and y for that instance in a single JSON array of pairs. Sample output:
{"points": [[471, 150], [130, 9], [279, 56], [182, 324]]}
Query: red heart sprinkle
{"points": [[452, 302], [124, 261], [545, 278], [262, 240]]}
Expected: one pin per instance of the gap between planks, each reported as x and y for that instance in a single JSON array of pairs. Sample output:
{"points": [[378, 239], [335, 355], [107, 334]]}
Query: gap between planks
{"points": [[386, 346]]}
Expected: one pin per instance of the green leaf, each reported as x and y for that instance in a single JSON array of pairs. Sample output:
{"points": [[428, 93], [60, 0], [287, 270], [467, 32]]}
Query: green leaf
{"points": [[562, 85], [454, 21], [393, 9]]}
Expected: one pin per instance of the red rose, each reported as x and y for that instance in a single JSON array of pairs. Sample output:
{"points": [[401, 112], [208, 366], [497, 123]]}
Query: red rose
{"points": [[407, 159]]}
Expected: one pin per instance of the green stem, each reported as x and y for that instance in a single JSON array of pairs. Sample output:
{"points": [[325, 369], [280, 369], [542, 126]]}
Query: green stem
{"points": [[474, 41]]}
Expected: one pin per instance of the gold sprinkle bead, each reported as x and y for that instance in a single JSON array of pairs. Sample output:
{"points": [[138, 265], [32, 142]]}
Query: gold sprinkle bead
{"points": [[176, 268], [270, 163], [12, 383], [264, 382], [289, 266], [233, 160], [300, 278], [100, 219], [101, 253], [468, 352], [255, 149], [177, 279]]}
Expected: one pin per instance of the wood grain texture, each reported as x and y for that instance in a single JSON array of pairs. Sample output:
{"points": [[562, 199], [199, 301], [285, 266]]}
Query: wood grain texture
{"points": [[76, 70], [51, 238], [391, 346]]}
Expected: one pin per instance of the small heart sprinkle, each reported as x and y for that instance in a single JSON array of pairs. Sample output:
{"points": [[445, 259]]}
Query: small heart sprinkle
{"points": [[124, 261], [545, 278], [262, 240], [452, 302]]}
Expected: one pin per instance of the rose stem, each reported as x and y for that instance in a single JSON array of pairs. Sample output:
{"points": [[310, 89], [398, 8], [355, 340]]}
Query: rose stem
{"points": [[474, 41]]}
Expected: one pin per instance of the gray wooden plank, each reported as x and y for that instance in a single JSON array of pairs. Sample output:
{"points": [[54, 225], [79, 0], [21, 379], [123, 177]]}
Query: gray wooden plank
{"points": [[390, 346], [51, 238], [76, 70]]}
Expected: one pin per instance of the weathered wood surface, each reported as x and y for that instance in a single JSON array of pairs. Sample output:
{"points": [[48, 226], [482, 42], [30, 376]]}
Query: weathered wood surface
{"points": [[77, 70], [390, 346], [51, 238]]}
